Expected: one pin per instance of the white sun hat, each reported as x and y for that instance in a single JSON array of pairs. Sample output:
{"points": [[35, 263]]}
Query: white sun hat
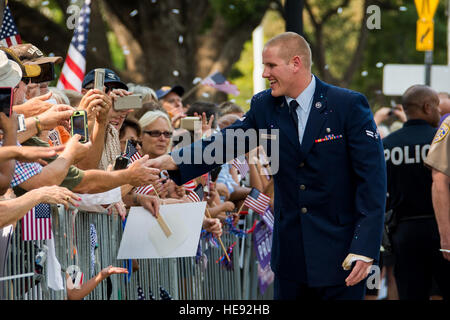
{"points": [[10, 72]]}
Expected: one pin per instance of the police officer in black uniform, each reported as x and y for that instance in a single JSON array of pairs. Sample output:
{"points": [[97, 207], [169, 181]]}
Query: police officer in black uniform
{"points": [[415, 239]]}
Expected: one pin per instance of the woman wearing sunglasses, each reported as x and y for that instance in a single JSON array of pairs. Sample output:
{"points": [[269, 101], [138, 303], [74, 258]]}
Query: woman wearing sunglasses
{"points": [[156, 133]]}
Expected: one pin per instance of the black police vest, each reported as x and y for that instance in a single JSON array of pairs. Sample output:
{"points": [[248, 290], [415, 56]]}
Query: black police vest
{"points": [[408, 180]]}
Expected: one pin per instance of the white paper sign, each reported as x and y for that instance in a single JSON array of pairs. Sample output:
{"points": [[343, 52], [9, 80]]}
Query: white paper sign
{"points": [[143, 238]]}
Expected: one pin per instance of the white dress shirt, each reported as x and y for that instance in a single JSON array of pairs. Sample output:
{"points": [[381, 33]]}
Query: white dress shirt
{"points": [[304, 100]]}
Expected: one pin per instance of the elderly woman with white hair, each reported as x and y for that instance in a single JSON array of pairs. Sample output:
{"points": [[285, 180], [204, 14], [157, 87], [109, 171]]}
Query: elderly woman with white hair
{"points": [[156, 140], [157, 133]]}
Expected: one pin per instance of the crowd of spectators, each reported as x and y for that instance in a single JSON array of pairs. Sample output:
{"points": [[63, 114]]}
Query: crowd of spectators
{"points": [[46, 163]]}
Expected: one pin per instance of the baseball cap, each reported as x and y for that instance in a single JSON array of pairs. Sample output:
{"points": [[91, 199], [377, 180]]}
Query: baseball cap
{"points": [[28, 70], [110, 77], [30, 54], [161, 93]]}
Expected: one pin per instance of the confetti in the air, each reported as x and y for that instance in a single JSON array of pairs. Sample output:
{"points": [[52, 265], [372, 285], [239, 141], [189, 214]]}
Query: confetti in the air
{"points": [[196, 80]]}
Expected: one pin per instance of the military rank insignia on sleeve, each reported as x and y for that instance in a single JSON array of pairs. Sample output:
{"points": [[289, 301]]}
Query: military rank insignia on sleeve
{"points": [[373, 134], [441, 133]]}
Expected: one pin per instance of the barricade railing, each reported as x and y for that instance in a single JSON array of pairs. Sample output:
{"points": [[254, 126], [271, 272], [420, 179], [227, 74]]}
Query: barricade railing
{"points": [[182, 278]]}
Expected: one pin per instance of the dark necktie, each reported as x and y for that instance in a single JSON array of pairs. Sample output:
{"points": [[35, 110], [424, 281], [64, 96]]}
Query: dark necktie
{"points": [[293, 111]]}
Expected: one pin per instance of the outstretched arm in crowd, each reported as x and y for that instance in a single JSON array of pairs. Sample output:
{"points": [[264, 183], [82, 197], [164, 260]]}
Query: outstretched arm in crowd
{"points": [[441, 204], [137, 174], [14, 209], [9, 128], [58, 114], [34, 106], [91, 284], [97, 105], [56, 171]]}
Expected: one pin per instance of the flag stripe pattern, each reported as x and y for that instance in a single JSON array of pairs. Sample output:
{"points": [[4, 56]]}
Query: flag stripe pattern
{"points": [[268, 219], [9, 36], [72, 73], [257, 201], [218, 81], [240, 163], [190, 185], [131, 152], [37, 223], [196, 195], [145, 189]]}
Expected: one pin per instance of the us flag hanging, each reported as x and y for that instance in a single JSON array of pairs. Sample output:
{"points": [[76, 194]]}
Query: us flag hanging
{"points": [[37, 223], [9, 36], [257, 201], [72, 73]]}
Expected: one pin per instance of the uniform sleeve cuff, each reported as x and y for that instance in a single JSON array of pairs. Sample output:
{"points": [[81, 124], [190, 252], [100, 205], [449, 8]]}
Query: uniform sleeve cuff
{"points": [[346, 265]]}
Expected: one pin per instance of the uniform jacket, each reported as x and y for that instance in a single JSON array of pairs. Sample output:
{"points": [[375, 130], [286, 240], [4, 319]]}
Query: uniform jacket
{"points": [[330, 192]]}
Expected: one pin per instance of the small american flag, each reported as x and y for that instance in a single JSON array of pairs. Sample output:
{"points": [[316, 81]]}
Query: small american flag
{"points": [[37, 223], [9, 36], [131, 152], [240, 163], [190, 185], [257, 201], [268, 219], [197, 194], [72, 73], [145, 189], [218, 81]]}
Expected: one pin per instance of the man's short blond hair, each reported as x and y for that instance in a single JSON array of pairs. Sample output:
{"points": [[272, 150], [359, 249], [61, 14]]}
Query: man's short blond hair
{"points": [[292, 44]]}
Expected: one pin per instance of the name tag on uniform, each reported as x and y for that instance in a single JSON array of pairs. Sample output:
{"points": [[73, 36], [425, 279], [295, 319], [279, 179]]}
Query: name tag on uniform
{"points": [[268, 136]]}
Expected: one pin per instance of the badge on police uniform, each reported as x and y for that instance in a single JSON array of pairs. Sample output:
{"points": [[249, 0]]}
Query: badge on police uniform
{"points": [[441, 133]]}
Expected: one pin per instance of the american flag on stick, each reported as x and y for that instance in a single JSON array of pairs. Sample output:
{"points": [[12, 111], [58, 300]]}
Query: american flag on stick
{"points": [[9, 36], [145, 189], [218, 81], [257, 201], [37, 223], [190, 185], [240, 163], [72, 73], [131, 152], [197, 194]]}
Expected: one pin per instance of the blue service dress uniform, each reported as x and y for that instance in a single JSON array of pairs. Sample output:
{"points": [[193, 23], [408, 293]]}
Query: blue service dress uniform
{"points": [[329, 191]]}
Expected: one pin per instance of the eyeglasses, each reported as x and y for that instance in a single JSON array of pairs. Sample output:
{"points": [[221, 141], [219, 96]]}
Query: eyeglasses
{"points": [[157, 133]]}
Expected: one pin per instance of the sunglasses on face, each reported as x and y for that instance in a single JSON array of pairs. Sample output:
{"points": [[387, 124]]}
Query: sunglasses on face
{"points": [[157, 133]]}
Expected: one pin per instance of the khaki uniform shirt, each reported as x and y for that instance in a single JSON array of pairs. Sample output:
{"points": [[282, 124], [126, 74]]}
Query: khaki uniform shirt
{"points": [[439, 155]]}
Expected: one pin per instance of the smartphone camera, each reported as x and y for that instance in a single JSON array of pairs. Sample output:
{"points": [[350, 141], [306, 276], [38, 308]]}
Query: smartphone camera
{"points": [[121, 163], [6, 100], [78, 122]]}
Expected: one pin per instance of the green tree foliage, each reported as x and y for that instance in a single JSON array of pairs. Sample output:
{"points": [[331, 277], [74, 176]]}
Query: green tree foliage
{"points": [[395, 43]]}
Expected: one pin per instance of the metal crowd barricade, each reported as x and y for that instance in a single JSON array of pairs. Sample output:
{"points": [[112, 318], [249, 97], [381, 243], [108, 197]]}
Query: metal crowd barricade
{"points": [[183, 278]]}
